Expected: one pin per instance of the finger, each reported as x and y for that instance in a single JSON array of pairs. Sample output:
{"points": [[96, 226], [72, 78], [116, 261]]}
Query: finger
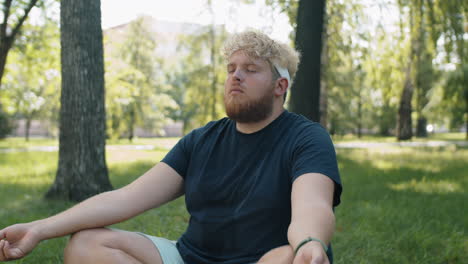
{"points": [[299, 259], [2, 234], [317, 260], [2, 256], [11, 252]]}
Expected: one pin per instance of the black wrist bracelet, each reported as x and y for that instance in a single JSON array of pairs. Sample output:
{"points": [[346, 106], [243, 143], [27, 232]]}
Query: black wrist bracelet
{"points": [[307, 240]]}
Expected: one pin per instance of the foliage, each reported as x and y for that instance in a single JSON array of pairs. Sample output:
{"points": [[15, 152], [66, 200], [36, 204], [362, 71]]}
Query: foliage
{"points": [[134, 94], [178, 86], [367, 49], [14, 14], [344, 73], [32, 79], [202, 74], [366, 57]]}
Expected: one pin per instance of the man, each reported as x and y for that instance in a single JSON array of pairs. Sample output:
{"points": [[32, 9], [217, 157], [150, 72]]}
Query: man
{"points": [[260, 186]]}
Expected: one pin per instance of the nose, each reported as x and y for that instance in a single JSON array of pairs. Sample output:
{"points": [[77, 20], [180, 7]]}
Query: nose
{"points": [[237, 75]]}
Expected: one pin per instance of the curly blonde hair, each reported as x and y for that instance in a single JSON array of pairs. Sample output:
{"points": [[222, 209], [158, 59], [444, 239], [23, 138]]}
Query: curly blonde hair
{"points": [[258, 45]]}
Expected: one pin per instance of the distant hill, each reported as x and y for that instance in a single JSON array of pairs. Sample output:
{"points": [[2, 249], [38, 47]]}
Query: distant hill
{"points": [[167, 35]]}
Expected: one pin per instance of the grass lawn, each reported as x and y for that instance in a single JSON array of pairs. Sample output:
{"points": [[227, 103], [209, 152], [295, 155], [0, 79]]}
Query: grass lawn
{"points": [[19, 142], [390, 139], [400, 205]]}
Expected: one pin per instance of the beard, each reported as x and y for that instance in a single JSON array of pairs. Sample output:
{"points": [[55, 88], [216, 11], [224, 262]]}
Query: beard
{"points": [[245, 110]]}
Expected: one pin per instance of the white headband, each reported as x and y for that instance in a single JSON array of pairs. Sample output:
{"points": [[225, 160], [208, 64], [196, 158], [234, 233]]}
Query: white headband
{"points": [[283, 72]]}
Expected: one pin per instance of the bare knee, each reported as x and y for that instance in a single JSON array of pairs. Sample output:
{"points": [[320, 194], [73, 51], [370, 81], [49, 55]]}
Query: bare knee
{"points": [[83, 244], [279, 255]]}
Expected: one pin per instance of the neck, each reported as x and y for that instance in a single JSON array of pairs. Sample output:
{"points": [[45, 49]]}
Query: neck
{"points": [[249, 128]]}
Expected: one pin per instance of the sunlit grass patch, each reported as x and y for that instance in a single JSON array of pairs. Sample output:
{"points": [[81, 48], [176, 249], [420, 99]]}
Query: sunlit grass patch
{"points": [[20, 142], [425, 186]]}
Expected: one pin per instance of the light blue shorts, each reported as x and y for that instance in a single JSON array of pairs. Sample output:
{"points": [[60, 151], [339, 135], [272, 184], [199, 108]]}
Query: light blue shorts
{"points": [[167, 249]]}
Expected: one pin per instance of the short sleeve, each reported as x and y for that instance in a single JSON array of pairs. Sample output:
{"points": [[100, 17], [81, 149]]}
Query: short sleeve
{"points": [[178, 157], [314, 153]]}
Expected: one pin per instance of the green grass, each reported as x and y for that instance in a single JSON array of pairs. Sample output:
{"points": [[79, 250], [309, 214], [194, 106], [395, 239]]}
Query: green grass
{"points": [[400, 205], [403, 205]]}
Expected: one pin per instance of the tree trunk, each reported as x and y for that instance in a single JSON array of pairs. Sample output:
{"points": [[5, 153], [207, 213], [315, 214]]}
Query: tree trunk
{"points": [[323, 103], [404, 124], [214, 76], [466, 110], [305, 93], [323, 78], [132, 121], [4, 49], [421, 130], [359, 116], [82, 170], [27, 128], [213, 50]]}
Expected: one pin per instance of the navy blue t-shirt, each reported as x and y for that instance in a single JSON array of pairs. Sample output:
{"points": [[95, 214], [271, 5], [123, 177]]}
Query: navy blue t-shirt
{"points": [[238, 186]]}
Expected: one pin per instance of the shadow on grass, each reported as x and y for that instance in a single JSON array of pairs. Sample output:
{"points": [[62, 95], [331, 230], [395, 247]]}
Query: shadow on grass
{"points": [[378, 223]]}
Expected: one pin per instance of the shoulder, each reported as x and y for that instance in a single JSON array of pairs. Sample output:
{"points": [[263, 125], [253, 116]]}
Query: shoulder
{"points": [[209, 128], [301, 126]]}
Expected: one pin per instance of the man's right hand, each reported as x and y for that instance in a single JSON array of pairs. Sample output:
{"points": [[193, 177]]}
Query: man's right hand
{"points": [[17, 241]]}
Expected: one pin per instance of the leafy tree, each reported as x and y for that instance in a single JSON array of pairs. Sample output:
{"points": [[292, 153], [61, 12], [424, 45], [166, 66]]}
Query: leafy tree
{"points": [[203, 77], [430, 23], [385, 76], [14, 14], [32, 78], [82, 170], [346, 89], [135, 95], [178, 83], [449, 20]]}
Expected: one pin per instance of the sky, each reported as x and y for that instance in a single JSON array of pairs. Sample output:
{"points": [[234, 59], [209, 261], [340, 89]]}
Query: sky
{"points": [[231, 13]]}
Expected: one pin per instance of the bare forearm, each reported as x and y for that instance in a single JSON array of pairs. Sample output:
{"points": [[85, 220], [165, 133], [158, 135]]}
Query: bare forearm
{"points": [[316, 221], [98, 211]]}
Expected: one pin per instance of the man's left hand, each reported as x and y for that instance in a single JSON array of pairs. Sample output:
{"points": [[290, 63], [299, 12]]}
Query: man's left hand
{"points": [[311, 253]]}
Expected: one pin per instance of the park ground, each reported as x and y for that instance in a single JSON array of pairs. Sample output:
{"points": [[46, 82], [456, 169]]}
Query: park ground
{"points": [[400, 204]]}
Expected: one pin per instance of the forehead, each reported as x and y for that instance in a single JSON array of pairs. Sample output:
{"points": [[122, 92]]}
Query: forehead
{"points": [[240, 57]]}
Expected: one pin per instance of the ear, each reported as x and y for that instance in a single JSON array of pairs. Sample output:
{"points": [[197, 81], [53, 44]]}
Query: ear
{"points": [[281, 86]]}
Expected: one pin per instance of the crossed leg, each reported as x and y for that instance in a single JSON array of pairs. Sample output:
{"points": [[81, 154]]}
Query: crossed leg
{"points": [[102, 245]]}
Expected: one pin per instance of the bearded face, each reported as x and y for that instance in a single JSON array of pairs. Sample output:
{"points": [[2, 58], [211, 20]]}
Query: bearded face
{"points": [[249, 91], [240, 108]]}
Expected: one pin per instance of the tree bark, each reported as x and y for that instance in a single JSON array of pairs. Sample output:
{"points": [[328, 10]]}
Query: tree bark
{"points": [[82, 170], [27, 128], [359, 114], [404, 124], [421, 127], [305, 93], [323, 76]]}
